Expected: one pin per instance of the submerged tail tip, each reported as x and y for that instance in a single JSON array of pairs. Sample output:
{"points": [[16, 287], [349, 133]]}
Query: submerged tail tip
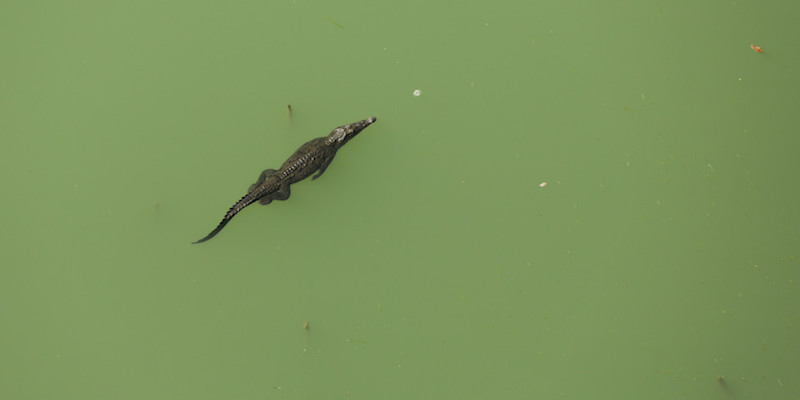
{"points": [[215, 231], [209, 236]]}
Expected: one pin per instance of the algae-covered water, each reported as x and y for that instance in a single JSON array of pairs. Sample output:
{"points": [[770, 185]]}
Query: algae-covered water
{"points": [[583, 200]]}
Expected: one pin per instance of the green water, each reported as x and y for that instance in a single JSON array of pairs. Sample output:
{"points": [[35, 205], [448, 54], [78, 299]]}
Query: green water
{"points": [[428, 261]]}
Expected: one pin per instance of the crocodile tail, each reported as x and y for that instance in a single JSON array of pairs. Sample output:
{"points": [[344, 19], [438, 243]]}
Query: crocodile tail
{"points": [[246, 200], [215, 231]]}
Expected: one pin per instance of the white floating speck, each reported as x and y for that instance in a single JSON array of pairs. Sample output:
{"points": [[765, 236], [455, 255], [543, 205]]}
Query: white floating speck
{"points": [[543, 184], [417, 93]]}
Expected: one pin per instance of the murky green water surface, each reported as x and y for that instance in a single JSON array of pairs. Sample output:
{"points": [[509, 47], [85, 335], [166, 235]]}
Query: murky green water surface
{"points": [[586, 200]]}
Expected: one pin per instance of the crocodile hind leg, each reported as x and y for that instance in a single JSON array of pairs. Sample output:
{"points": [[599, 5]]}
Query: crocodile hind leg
{"points": [[282, 194], [262, 178]]}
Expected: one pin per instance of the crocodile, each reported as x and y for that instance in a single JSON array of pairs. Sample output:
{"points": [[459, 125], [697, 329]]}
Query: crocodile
{"points": [[314, 156]]}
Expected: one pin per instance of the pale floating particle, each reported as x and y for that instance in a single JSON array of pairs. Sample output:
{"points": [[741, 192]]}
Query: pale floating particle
{"points": [[417, 93], [543, 184]]}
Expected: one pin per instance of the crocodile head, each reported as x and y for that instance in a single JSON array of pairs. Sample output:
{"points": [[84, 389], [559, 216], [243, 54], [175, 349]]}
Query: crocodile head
{"points": [[344, 133]]}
